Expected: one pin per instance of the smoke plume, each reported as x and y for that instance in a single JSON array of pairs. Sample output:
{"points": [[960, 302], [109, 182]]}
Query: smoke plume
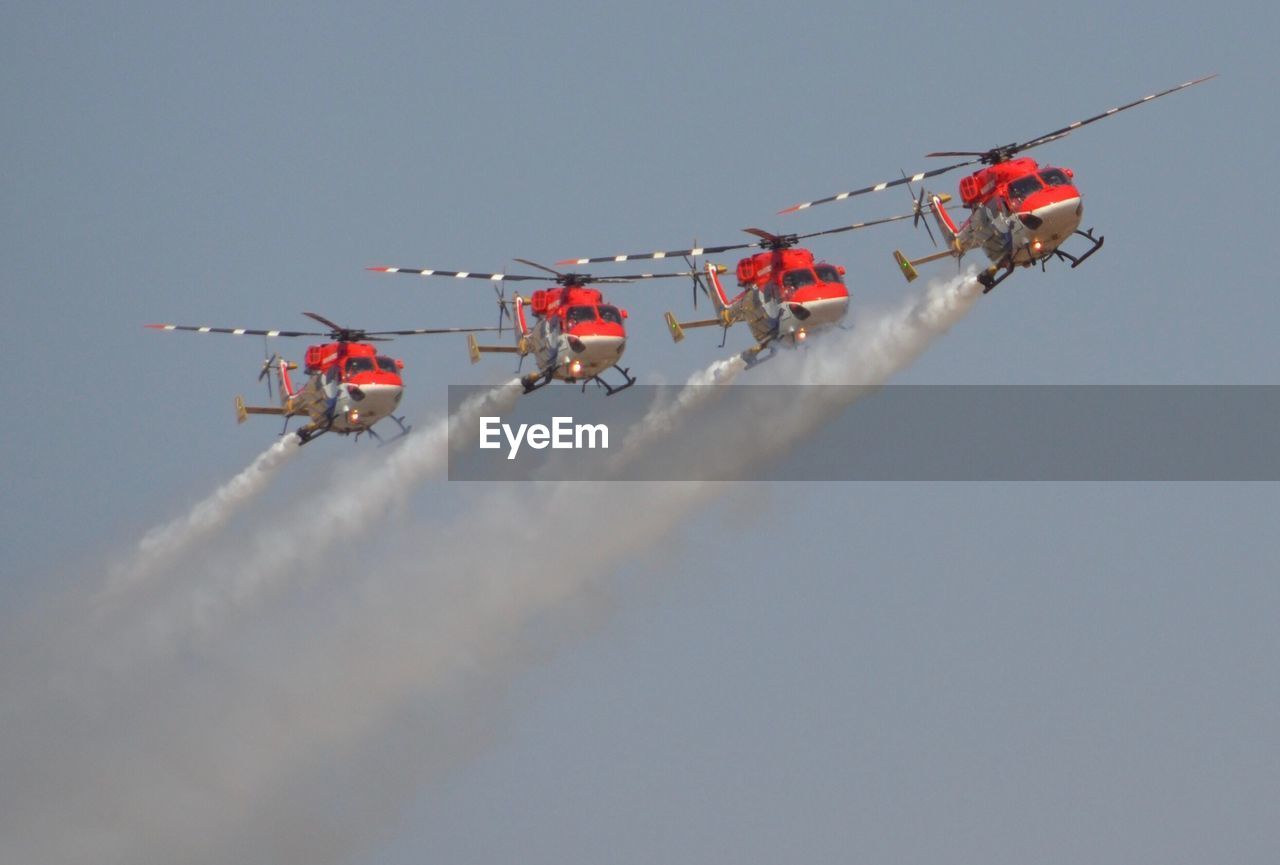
{"points": [[283, 705]]}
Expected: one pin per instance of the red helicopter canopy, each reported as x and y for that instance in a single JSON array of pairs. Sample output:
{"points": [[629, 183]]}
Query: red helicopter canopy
{"points": [[355, 362], [593, 319], [1017, 181], [547, 301], [764, 267]]}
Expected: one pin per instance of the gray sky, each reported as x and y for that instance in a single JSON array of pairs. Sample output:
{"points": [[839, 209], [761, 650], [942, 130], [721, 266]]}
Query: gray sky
{"points": [[882, 672]]}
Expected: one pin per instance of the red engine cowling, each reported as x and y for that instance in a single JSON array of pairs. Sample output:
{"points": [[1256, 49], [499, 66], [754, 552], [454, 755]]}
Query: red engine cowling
{"points": [[315, 357], [540, 301]]}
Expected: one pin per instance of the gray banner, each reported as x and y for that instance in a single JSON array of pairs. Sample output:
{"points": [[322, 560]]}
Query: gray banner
{"points": [[898, 432]]}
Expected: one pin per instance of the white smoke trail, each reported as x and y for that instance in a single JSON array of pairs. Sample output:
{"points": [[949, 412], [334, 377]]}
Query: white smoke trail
{"points": [[161, 547], [881, 345], [661, 419], [762, 422], [216, 581], [458, 602], [348, 511], [220, 758], [862, 359]]}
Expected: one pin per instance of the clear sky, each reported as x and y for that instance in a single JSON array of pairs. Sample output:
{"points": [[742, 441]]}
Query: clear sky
{"points": [[879, 672]]}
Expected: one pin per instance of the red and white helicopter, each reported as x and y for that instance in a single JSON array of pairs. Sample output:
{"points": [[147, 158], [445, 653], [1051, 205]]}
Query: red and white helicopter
{"points": [[575, 335], [784, 295], [350, 385], [1020, 212]]}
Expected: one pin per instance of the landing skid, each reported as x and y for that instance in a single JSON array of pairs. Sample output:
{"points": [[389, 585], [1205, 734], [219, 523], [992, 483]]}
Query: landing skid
{"points": [[404, 431], [1077, 260], [757, 355], [610, 390], [535, 380], [990, 280], [309, 432]]}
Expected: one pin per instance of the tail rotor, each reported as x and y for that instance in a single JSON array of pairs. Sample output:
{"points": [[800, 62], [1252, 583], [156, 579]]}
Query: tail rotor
{"points": [[917, 208], [268, 363], [695, 274], [500, 289]]}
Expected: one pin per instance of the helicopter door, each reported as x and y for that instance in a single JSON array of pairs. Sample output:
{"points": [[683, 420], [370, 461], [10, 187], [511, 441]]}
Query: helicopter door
{"points": [[329, 384]]}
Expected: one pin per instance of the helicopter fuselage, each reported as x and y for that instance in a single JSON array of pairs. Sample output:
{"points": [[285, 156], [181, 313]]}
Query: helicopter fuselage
{"points": [[1021, 212], [350, 387], [786, 295], [575, 335]]}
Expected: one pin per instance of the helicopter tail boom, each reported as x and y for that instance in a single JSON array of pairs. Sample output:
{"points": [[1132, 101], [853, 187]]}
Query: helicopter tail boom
{"points": [[474, 348], [950, 233], [287, 390], [521, 330], [677, 327], [937, 203], [908, 265], [243, 411], [719, 298]]}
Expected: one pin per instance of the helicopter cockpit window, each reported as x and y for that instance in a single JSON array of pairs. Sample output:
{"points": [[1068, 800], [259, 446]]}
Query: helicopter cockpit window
{"points": [[1024, 186], [797, 278], [386, 364], [610, 314], [579, 314], [357, 365], [1054, 177], [827, 273]]}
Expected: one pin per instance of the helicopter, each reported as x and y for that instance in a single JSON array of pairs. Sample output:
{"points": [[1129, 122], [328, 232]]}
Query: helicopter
{"points": [[575, 336], [350, 386], [1021, 212], [785, 293]]}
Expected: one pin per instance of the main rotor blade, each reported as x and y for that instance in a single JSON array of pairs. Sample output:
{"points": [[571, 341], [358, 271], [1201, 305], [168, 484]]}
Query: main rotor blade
{"points": [[768, 240], [458, 274], [561, 278], [325, 322], [539, 266], [365, 336], [887, 184], [858, 225], [1071, 127], [234, 331], [763, 235], [374, 334], [633, 277], [674, 253], [995, 154]]}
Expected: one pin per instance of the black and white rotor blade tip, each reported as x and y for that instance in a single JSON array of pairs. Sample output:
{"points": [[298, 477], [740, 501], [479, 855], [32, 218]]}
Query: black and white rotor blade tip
{"points": [[374, 334], [658, 256], [457, 274], [997, 154], [1071, 127], [234, 331], [886, 184], [855, 226]]}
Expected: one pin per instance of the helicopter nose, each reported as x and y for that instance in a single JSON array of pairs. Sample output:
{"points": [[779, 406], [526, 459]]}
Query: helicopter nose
{"points": [[1054, 222], [374, 401], [590, 354], [597, 344], [819, 311]]}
